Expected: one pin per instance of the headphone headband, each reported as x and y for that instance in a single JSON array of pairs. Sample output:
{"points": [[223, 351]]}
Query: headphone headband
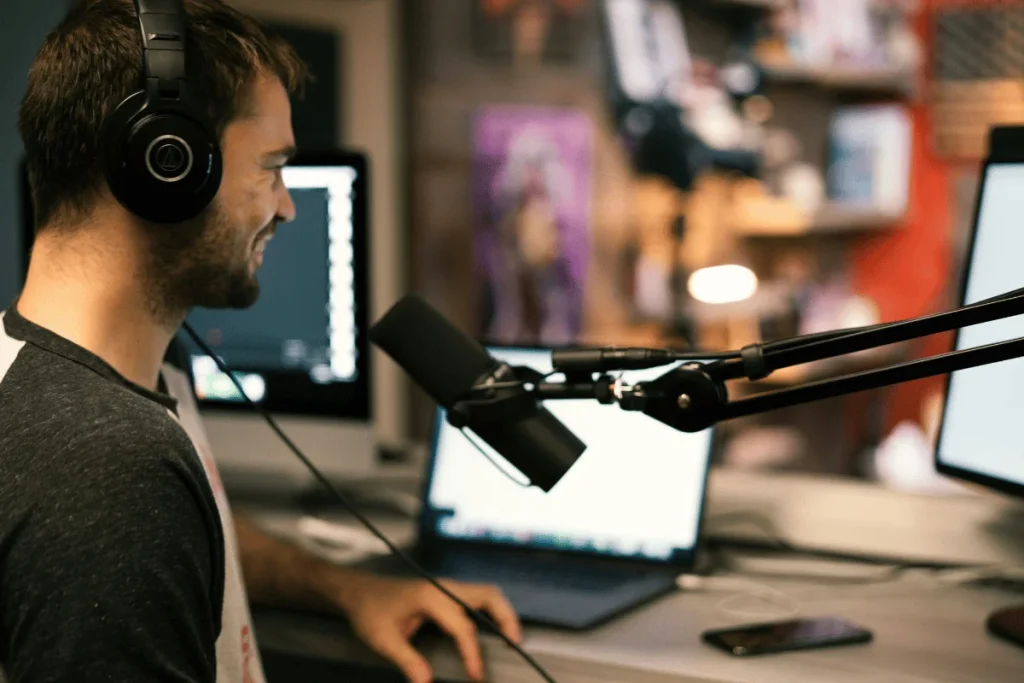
{"points": [[163, 26]]}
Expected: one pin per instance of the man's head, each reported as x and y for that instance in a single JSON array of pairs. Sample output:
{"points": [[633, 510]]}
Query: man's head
{"points": [[239, 74]]}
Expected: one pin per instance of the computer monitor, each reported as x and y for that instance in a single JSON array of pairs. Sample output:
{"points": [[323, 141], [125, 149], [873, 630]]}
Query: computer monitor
{"points": [[637, 492], [981, 434], [301, 350]]}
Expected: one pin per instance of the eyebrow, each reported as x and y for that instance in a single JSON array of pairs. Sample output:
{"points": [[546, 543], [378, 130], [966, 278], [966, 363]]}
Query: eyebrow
{"points": [[287, 153]]}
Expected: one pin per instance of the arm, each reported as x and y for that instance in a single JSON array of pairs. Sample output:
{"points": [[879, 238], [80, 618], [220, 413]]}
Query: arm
{"points": [[281, 574], [385, 613]]}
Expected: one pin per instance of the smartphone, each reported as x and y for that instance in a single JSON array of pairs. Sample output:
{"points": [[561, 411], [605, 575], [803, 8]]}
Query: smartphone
{"points": [[782, 636]]}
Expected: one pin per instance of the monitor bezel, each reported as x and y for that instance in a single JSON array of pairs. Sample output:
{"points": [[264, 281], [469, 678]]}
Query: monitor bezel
{"points": [[1015, 157], [348, 400], [429, 538]]}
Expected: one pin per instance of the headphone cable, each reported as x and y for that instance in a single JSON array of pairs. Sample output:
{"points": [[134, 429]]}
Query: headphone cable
{"points": [[476, 615]]}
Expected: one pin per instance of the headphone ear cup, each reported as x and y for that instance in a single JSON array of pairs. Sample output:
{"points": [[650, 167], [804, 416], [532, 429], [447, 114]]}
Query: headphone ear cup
{"points": [[164, 165]]}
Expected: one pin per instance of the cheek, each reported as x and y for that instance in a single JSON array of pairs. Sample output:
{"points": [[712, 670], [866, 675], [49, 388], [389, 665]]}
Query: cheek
{"points": [[240, 214], [258, 205], [225, 235]]}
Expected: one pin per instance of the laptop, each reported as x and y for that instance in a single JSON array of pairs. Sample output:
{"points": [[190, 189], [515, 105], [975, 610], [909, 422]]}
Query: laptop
{"points": [[613, 534]]}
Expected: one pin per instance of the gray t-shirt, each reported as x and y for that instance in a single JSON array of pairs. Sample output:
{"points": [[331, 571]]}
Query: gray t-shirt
{"points": [[117, 554]]}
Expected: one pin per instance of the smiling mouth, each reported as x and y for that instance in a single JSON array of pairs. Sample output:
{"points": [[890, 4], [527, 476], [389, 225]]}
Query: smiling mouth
{"points": [[263, 238]]}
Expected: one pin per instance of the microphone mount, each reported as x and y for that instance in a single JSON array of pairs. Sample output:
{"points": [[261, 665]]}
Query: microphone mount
{"points": [[694, 396], [512, 392]]}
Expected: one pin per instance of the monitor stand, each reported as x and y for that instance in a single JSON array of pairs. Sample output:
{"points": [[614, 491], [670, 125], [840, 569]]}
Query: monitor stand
{"points": [[252, 458], [1008, 623]]}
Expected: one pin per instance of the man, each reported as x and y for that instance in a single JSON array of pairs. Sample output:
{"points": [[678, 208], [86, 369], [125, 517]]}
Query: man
{"points": [[119, 559]]}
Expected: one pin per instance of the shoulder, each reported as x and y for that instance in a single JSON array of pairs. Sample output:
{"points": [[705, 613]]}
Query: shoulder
{"points": [[77, 441], [41, 383], [103, 492], [92, 463], [60, 405], [113, 484]]}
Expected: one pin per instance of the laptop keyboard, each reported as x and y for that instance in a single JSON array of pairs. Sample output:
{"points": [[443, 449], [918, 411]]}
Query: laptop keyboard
{"points": [[561, 575], [553, 591]]}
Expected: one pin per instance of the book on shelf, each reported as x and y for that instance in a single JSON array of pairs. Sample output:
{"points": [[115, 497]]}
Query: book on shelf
{"points": [[869, 158]]}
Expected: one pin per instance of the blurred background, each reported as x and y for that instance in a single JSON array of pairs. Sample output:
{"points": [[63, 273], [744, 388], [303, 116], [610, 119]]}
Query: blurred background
{"points": [[690, 173], [556, 197]]}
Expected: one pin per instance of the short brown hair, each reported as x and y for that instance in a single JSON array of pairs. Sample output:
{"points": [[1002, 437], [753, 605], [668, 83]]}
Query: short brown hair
{"points": [[92, 61]]}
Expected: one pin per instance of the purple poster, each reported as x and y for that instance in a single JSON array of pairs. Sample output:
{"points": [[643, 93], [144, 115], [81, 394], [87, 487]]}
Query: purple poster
{"points": [[531, 200]]}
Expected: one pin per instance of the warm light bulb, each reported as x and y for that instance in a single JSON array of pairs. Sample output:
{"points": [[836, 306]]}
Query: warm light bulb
{"points": [[722, 284]]}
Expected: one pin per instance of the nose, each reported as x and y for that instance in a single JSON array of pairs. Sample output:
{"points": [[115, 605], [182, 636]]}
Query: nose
{"points": [[285, 206]]}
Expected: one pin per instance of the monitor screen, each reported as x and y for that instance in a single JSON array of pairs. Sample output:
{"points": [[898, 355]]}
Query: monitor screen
{"points": [[981, 438], [301, 348], [637, 491]]}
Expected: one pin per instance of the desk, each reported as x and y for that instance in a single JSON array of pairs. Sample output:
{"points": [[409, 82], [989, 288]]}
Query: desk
{"points": [[922, 633], [934, 636], [861, 518]]}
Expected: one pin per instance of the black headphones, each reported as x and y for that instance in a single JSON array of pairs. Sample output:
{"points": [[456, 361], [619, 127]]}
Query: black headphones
{"points": [[162, 158]]}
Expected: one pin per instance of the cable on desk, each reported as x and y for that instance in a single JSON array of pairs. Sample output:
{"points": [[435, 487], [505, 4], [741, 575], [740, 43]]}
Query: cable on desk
{"points": [[743, 589], [892, 579], [791, 602]]}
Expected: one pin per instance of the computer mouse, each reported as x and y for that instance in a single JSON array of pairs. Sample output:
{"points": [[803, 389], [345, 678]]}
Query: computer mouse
{"points": [[1008, 624]]}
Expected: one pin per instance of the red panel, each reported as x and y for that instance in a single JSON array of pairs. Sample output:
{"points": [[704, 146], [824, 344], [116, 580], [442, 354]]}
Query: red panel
{"points": [[907, 272]]}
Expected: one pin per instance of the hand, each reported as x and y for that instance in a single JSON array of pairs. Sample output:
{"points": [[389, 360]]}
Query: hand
{"points": [[386, 613]]}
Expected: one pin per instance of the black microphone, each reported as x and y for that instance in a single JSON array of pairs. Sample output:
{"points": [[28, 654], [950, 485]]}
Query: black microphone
{"points": [[447, 364]]}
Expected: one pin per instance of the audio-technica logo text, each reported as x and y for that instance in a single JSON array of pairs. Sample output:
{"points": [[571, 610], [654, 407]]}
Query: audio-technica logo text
{"points": [[169, 158]]}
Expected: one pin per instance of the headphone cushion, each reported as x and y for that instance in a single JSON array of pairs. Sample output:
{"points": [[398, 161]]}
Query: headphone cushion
{"points": [[162, 164]]}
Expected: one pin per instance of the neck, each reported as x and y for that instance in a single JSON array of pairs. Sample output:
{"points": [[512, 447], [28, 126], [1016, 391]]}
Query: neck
{"points": [[96, 297]]}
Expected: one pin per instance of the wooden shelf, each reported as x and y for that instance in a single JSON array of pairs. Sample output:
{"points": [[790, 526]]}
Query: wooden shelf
{"points": [[778, 220], [877, 80], [839, 218]]}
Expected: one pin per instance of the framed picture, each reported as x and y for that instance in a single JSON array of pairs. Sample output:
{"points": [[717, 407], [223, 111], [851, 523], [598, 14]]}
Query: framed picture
{"points": [[531, 199]]}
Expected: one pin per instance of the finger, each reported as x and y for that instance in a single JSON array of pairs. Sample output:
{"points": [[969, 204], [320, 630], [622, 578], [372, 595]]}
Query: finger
{"points": [[497, 605], [393, 646], [454, 621]]}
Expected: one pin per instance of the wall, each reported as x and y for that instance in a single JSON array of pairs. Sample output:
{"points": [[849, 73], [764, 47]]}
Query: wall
{"points": [[449, 81], [22, 31]]}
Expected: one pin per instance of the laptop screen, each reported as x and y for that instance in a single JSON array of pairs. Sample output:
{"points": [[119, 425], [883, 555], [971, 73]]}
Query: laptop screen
{"points": [[637, 491]]}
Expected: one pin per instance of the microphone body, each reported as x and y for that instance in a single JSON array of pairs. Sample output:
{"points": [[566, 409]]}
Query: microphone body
{"points": [[448, 365]]}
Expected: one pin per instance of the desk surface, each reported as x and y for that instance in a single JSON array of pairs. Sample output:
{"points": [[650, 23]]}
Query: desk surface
{"points": [[861, 518], [934, 635], [921, 634], [924, 631]]}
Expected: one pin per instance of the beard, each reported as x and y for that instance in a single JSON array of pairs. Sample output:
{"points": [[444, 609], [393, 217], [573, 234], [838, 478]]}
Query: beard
{"points": [[200, 263]]}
